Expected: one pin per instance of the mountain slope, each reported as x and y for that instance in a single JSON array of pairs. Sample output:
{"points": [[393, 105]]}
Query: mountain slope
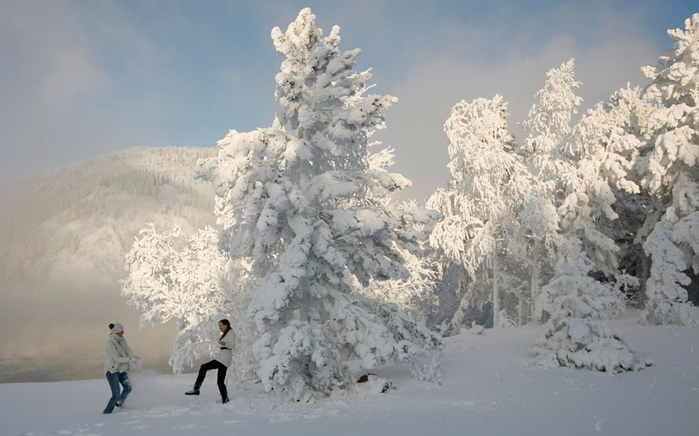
{"points": [[62, 244]]}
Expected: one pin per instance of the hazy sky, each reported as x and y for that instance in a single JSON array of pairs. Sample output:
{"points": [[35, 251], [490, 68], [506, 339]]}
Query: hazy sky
{"points": [[81, 78]]}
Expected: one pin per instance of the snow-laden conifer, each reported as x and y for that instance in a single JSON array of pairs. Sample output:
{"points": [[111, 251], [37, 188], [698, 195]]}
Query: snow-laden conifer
{"points": [[609, 210], [301, 201], [604, 144], [575, 169], [575, 334], [670, 171], [548, 128]]}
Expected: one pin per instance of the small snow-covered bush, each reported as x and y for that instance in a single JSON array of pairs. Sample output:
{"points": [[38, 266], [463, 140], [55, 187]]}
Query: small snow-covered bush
{"points": [[575, 334]]}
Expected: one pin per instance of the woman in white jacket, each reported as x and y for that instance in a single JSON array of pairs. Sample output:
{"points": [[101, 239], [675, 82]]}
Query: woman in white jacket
{"points": [[118, 357], [222, 362]]}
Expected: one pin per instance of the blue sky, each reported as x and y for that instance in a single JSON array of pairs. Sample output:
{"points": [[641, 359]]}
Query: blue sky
{"points": [[82, 78]]}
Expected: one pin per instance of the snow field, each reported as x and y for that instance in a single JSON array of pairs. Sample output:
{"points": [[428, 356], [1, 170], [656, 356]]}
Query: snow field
{"points": [[490, 387]]}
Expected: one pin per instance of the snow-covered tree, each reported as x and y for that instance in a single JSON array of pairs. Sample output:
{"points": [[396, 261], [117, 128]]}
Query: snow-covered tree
{"points": [[548, 128], [548, 125], [302, 203], [414, 295], [669, 167], [188, 279], [479, 205], [604, 144], [612, 206], [578, 169], [666, 301], [575, 334]]}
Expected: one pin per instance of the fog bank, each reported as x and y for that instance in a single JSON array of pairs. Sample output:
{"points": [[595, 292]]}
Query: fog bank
{"points": [[63, 240]]}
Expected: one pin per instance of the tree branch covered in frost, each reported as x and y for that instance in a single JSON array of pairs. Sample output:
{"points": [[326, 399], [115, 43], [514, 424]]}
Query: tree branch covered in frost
{"points": [[414, 295], [187, 279]]}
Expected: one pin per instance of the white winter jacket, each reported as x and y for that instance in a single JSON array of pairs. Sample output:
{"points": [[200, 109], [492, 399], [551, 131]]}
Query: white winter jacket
{"points": [[117, 354], [225, 355]]}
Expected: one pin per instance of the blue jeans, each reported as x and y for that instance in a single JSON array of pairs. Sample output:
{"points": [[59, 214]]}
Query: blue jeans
{"points": [[114, 379]]}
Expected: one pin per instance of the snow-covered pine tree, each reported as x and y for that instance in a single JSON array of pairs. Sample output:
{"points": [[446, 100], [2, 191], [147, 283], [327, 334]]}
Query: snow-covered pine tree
{"points": [[302, 203], [188, 279], [604, 144], [670, 170], [480, 202], [607, 142], [575, 334], [548, 128], [576, 169]]}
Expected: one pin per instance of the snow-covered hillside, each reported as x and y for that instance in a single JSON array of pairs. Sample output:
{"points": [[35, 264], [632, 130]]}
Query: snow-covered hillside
{"points": [[490, 388], [63, 239]]}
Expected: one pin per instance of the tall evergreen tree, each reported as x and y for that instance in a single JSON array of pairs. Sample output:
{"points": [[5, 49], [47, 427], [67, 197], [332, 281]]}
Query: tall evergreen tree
{"points": [[612, 207], [576, 168], [548, 130], [303, 203], [669, 167]]}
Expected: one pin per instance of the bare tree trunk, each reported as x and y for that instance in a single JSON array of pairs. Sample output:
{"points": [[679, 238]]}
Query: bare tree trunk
{"points": [[534, 287], [496, 299], [521, 311]]}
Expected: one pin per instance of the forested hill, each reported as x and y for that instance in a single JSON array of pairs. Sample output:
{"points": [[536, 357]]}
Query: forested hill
{"points": [[88, 213], [63, 241]]}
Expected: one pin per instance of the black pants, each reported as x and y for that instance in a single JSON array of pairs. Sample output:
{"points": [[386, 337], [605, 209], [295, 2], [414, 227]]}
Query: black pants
{"points": [[220, 379]]}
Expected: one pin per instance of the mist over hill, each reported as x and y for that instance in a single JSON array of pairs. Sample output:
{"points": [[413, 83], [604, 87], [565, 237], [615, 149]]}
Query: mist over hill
{"points": [[63, 238]]}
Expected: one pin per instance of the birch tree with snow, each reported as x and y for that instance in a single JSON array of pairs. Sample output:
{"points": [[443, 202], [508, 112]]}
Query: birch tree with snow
{"points": [[479, 205], [669, 167], [301, 202]]}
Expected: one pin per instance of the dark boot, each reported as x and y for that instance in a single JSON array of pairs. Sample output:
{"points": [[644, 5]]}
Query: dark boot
{"points": [[224, 393], [194, 391]]}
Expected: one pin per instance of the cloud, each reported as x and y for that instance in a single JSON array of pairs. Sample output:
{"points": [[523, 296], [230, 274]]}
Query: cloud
{"points": [[69, 77], [429, 91], [62, 85]]}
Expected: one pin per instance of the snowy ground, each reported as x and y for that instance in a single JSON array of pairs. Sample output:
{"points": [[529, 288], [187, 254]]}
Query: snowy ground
{"points": [[489, 388]]}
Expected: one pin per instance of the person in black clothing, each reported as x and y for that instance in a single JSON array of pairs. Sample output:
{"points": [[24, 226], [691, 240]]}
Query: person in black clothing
{"points": [[222, 362]]}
